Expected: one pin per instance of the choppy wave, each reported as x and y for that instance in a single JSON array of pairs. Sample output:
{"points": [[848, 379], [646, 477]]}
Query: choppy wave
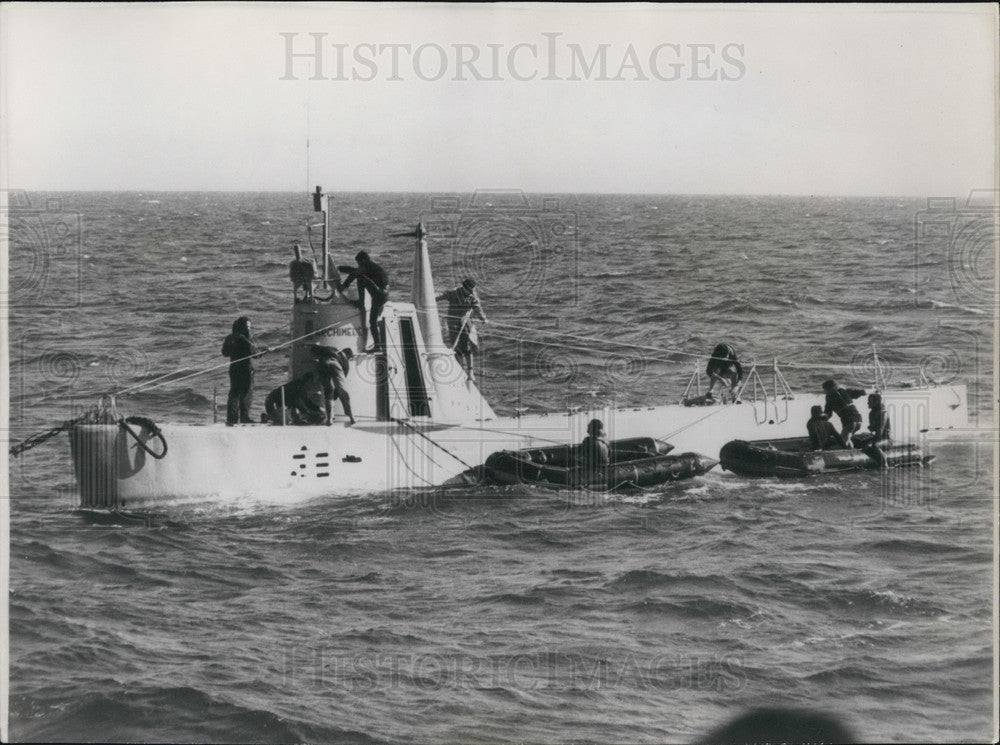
{"points": [[181, 714]]}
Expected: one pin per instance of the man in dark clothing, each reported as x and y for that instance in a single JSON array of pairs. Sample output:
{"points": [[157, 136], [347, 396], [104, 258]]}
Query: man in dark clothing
{"points": [[298, 401], [331, 369], [595, 453], [724, 368], [373, 280], [822, 435], [302, 272], [878, 418], [240, 348], [838, 401], [879, 430]]}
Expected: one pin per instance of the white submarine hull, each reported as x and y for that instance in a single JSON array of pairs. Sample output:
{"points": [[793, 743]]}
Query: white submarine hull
{"points": [[208, 463], [420, 422]]}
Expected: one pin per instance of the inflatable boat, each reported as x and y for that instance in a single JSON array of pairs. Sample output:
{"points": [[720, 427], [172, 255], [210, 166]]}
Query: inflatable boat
{"points": [[794, 456], [635, 462]]}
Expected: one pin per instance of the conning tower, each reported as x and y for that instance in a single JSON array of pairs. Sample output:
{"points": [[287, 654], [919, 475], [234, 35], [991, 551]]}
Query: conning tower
{"points": [[415, 374]]}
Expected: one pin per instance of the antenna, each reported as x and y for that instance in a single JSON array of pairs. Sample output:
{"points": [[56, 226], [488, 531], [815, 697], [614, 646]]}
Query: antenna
{"points": [[308, 131], [318, 207]]}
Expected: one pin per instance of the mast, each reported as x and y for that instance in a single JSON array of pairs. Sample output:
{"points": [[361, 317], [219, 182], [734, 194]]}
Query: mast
{"points": [[423, 296], [318, 207]]}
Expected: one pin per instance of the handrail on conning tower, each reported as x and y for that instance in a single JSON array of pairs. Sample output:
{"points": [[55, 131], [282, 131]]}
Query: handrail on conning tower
{"points": [[318, 273]]}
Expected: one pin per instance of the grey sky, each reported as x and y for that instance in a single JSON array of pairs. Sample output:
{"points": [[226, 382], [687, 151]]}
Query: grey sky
{"points": [[819, 99]]}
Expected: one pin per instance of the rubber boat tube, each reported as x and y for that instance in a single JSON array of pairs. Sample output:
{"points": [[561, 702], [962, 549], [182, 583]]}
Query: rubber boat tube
{"points": [[635, 462], [794, 457]]}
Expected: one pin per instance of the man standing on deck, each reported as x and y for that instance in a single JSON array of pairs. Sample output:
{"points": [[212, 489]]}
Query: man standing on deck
{"points": [[373, 280], [838, 400], [463, 304], [240, 348]]}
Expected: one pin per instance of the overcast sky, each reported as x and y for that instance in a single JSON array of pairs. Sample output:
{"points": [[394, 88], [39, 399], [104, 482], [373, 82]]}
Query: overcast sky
{"points": [[844, 100]]}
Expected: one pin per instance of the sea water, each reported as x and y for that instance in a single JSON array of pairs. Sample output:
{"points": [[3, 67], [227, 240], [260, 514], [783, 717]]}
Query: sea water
{"points": [[505, 615]]}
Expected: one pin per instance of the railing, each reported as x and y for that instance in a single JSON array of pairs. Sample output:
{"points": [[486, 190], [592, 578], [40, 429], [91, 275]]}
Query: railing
{"points": [[753, 390], [695, 380]]}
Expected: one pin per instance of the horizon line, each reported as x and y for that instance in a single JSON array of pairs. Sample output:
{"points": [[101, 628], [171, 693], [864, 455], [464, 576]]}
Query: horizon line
{"points": [[496, 189]]}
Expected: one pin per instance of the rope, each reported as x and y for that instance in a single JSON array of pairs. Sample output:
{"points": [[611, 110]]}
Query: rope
{"points": [[395, 391], [583, 413], [148, 385], [613, 342], [691, 424], [402, 457], [153, 430], [425, 453], [40, 437], [435, 444], [458, 336], [169, 377], [515, 434], [557, 344], [667, 359], [580, 337]]}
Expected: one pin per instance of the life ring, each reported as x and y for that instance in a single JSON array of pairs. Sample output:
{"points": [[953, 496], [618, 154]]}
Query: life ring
{"points": [[153, 429]]}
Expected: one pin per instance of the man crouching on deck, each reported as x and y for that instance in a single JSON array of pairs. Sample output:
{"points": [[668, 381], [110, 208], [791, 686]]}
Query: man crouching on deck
{"points": [[331, 369]]}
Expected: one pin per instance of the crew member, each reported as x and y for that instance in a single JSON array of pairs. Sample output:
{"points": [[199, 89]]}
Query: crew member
{"points": [[463, 307], [838, 401], [878, 430], [822, 435], [302, 272], [373, 280], [724, 368], [595, 453], [331, 368], [300, 407], [878, 418], [240, 348]]}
